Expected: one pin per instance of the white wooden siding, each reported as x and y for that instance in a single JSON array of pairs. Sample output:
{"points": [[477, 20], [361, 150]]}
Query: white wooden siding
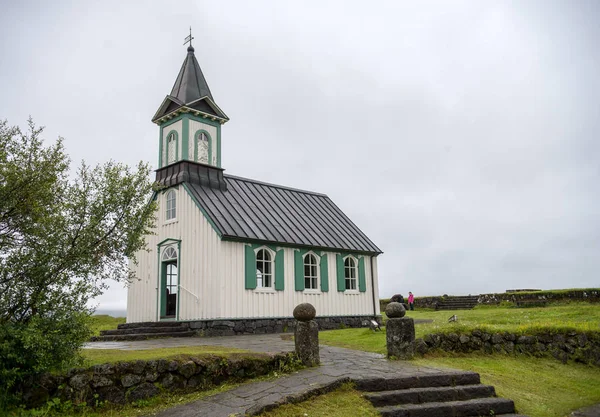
{"points": [[211, 277]]}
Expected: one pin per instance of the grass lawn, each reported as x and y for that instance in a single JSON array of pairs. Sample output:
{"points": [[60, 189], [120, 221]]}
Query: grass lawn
{"points": [[343, 402], [558, 389], [540, 387], [580, 316], [100, 356], [104, 322]]}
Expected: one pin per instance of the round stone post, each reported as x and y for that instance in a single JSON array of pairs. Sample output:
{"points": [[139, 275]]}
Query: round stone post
{"points": [[400, 332], [306, 334]]}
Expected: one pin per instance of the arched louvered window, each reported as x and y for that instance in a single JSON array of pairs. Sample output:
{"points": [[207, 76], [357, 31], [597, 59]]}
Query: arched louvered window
{"points": [[171, 148], [202, 148]]}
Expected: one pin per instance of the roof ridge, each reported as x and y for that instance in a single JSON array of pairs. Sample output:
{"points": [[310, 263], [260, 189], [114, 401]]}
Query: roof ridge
{"points": [[283, 187]]}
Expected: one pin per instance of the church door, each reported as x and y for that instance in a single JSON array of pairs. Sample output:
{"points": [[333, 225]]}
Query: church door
{"points": [[169, 284]]}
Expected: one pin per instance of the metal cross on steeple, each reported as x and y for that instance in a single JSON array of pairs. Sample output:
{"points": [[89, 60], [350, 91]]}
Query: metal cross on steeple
{"points": [[189, 38]]}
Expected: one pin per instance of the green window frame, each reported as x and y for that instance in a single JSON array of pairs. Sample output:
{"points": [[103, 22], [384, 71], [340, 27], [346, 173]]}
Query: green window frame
{"points": [[351, 272], [276, 264]]}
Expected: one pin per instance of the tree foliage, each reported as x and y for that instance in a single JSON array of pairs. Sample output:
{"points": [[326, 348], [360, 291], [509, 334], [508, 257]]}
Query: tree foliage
{"points": [[62, 236]]}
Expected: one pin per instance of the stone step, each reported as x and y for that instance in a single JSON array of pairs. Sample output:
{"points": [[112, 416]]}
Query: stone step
{"points": [[476, 407], [152, 324], [143, 336], [430, 394], [442, 379], [144, 330]]}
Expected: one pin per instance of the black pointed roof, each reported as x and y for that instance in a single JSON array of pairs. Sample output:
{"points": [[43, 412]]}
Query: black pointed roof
{"points": [[190, 84], [191, 91]]}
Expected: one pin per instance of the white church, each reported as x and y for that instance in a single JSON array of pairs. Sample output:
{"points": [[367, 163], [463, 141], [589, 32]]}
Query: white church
{"points": [[234, 254]]}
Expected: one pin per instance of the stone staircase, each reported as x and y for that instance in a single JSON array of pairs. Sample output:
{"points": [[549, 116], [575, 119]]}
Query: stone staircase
{"points": [[143, 331], [466, 302], [442, 394]]}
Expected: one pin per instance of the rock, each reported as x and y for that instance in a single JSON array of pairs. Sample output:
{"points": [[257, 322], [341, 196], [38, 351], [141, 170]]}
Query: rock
{"points": [[497, 339], [400, 337], [79, 381], [143, 391], [526, 340], [138, 367], [198, 381], [187, 369], [151, 376], [105, 369], [464, 339], [111, 394], [421, 347], [395, 310], [306, 338], [453, 337], [101, 381], [304, 312], [129, 380], [167, 381], [173, 366], [162, 366]]}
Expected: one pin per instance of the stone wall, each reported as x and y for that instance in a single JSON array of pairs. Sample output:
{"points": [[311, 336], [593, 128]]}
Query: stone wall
{"points": [[275, 325], [420, 302], [124, 382], [587, 294], [579, 346]]}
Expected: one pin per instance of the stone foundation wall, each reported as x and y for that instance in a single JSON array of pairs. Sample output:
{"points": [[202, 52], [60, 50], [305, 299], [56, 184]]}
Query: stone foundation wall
{"points": [[275, 325], [579, 346], [125, 382]]}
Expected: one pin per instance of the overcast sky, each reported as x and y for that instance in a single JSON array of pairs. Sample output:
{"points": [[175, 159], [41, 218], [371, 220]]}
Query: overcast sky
{"points": [[462, 137]]}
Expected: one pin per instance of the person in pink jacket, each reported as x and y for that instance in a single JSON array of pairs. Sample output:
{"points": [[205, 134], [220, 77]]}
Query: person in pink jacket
{"points": [[411, 301]]}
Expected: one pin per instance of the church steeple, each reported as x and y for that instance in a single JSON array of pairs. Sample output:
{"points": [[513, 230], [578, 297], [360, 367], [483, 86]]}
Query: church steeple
{"points": [[190, 84], [189, 119]]}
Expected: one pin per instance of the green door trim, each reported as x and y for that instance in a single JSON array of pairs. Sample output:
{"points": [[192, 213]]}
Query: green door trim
{"points": [[160, 294]]}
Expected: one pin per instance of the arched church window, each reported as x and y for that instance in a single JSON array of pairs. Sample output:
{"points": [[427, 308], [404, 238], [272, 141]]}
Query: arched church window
{"points": [[350, 273], [310, 272], [171, 148], [171, 205], [264, 269], [202, 148], [169, 254]]}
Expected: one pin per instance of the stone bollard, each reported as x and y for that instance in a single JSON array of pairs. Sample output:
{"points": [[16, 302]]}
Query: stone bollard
{"points": [[400, 332], [306, 334]]}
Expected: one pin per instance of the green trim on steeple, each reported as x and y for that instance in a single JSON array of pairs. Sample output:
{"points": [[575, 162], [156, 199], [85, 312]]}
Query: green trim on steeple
{"points": [[219, 146], [185, 137], [191, 117]]}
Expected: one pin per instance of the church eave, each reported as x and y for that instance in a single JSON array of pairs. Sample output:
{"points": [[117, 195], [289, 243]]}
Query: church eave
{"points": [[232, 238], [185, 109]]}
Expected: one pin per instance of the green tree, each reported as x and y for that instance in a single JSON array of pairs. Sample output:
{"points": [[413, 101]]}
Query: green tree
{"points": [[62, 237]]}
